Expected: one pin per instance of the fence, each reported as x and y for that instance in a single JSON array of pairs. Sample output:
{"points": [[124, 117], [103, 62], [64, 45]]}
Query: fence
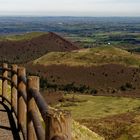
{"points": [[35, 119]]}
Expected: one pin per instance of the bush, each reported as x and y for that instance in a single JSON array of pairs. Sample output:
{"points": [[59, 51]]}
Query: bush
{"points": [[129, 85], [43, 83], [123, 88], [126, 86], [93, 91]]}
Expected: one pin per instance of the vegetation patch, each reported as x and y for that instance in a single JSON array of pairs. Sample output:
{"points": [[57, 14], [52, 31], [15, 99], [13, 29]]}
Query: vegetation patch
{"points": [[27, 36], [99, 106], [8, 91], [117, 127], [114, 118], [89, 57], [80, 132]]}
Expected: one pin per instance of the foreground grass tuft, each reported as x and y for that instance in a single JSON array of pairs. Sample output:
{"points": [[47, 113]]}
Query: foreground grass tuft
{"points": [[8, 91], [80, 132]]}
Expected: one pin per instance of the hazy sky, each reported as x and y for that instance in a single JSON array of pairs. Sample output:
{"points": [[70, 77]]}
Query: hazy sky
{"points": [[70, 7]]}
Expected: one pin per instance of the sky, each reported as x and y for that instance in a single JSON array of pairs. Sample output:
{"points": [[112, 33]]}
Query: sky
{"points": [[70, 7]]}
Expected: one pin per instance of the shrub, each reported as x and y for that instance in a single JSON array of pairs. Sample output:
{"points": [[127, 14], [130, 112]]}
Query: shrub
{"points": [[126, 86], [94, 91], [43, 83], [123, 88], [129, 85]]}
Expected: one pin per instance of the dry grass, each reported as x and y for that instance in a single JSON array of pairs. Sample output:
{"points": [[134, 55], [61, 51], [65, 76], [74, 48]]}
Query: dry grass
{"points": [[93, 107], [89, 57], [8, 91], [80, 132], [114, 118], [26, 36]]}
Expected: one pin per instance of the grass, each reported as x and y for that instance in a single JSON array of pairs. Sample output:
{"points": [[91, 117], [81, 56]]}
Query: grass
{"points": [[8, 91], [27, 36], [89, 57], [80, 132], [116, 38], [94, 107], [114, 118], [118, 127]]}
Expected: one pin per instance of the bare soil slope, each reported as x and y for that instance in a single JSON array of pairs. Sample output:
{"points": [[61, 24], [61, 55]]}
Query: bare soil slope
{"points": [[25, 50], [109, 79]]}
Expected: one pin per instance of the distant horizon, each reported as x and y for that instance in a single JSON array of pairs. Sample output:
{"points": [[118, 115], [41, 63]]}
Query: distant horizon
{"points": [[72, 16], [79, 8], [41, 14]]}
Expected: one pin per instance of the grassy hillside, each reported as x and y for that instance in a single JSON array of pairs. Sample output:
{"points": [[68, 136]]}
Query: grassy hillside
{"points": [[88, 57], [115, 118], [92, 107], [26, 36]]}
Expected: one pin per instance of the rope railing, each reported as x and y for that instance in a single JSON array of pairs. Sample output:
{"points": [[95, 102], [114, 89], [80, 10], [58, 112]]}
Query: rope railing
{"points": [[34, 117]]}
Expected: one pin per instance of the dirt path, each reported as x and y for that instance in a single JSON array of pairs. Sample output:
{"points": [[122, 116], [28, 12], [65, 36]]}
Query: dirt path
{"points": [[8, 129]]}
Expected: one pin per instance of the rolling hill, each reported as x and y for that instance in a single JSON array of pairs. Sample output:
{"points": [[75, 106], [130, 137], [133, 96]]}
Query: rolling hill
{"points": [[90, 57], [103, 71], [25, 48]]}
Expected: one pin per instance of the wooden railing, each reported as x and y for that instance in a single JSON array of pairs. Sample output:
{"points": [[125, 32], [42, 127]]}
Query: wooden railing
{"points": [[33, 116]]}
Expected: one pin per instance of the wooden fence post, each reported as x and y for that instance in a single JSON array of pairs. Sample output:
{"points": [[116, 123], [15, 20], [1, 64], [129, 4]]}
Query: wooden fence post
{"points": [[22, 110], [32, 83], [58, 125], [13, 89], [4, 81]]}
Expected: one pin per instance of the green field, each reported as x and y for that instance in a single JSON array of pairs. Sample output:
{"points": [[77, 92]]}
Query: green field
{"points": [[93, 107], [120, 39]]}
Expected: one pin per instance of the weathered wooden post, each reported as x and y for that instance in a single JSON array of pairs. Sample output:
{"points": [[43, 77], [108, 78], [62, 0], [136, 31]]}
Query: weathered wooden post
{"points": [[58, 125], [22, 110], [32, 83], [4, 81], [14, 89]]}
